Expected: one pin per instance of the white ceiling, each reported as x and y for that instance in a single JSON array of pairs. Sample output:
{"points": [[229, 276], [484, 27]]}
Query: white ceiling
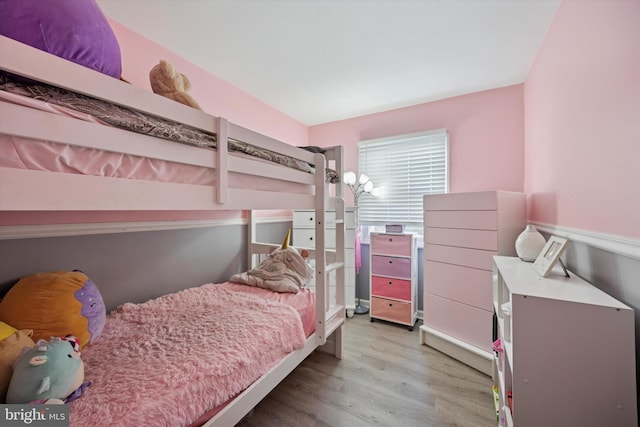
{"points": [[325, 60]]}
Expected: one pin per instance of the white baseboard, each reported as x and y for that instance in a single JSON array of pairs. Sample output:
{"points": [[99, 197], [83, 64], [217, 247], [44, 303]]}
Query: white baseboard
{"points": [[459, 350]]}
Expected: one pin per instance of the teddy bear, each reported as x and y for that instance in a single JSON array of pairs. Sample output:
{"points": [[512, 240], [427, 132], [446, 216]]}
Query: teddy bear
{"points": [[168, 82], [49, 372]]}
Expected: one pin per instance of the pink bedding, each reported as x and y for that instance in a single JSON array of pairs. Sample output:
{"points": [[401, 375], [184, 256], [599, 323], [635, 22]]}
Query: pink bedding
{"points": [[304, 302], [169, 360], [24, 153]]}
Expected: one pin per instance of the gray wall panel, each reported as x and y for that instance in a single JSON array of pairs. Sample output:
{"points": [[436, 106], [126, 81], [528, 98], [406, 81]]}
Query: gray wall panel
{"points": [[136, 266], [617, 275]]}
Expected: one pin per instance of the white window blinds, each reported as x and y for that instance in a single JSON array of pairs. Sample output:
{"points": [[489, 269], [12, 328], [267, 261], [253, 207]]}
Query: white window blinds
{"points": [[403, 168]]}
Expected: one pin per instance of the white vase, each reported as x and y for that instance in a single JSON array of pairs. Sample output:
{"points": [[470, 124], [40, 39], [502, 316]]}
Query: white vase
{"points": [[529, 244]]}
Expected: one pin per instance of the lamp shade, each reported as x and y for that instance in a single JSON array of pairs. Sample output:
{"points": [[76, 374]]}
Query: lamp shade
{"points": [[349, 178]]}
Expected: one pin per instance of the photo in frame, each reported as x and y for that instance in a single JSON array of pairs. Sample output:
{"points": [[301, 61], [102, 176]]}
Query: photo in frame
{"points": [[549, 255]]}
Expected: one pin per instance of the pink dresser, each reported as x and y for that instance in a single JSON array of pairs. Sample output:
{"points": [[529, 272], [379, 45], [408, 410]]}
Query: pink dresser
{"points": [[393, 278], [462, 233]]}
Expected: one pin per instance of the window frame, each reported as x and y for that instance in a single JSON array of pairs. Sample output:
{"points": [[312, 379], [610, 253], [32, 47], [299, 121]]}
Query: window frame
{"points": [[413, 226]]}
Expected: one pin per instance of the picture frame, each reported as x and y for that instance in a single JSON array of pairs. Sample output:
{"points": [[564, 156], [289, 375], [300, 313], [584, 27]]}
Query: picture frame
{"points": [[549, 255]]}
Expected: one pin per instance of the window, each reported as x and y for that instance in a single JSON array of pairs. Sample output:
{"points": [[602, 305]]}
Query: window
{"points": [[403, 169]]}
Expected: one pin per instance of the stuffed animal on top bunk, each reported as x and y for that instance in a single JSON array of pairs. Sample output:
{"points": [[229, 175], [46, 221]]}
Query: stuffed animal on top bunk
{"points": [[51, 372], [168, 82], [284, 270]]}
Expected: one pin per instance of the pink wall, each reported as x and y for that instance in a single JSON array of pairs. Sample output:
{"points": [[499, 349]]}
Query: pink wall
{"points": [[582, 120], [486, 136], [214, 95]]}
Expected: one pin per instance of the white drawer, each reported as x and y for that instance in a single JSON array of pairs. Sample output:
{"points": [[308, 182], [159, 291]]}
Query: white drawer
{"points": [[307, 219], [469, 220], [306, 238], [482, 201], [470, 286], [474, 239], [475, 258], [464, 322]]}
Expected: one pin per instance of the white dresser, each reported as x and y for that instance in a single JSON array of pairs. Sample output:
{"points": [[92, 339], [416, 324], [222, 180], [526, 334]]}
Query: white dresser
{"points": [[304, 235], [462, 233], [566, 351]]}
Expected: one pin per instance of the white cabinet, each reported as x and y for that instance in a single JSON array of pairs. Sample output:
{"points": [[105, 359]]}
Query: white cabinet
{"points": [[567, 351], [304, 237], [462, 232]]}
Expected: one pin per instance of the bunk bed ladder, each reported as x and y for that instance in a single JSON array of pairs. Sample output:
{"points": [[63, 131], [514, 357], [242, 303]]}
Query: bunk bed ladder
{"points": [[329, 319]]}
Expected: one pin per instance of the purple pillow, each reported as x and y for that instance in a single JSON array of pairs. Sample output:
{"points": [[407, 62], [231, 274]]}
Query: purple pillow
{"points": [[76, 30]]}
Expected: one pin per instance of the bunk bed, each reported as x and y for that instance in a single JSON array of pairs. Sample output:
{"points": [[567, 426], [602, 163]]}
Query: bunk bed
{"points": [[235, 181]]}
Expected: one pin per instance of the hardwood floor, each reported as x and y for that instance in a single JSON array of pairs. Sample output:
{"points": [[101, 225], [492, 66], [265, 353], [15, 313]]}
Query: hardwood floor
{"points": [[386, 378]]}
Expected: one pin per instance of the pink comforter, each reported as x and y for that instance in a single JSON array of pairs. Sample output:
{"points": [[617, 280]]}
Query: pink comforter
{"points": [[166, 361]]}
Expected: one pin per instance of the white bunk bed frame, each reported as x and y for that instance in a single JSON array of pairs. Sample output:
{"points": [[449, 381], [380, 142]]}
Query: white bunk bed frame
{"points": [[31, 190]]}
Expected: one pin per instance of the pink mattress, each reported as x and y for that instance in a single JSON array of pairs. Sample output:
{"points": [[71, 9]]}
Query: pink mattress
{"points": [[24, 153], [70, 104], [167, 361]]}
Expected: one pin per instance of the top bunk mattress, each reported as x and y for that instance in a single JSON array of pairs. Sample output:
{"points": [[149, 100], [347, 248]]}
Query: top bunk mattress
{"points": [[61, 101]]}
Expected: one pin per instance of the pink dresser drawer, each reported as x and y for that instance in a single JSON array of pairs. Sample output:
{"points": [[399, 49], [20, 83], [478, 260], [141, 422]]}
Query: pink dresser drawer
{"points": [[470, 220], [484, 200], [391, 244], [391, 288], [469, 324], [391, 266], [476, 239], [468, 285], [475, 258], [394, 311]]}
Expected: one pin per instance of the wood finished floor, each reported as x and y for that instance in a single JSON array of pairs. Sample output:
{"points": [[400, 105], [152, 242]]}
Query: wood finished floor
{"points": [[386, 378]]}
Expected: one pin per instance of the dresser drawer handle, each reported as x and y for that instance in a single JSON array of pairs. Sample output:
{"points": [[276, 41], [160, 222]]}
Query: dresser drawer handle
{"points": [[390, 262], [390, 283], [390, 239], [310, 238], [390, 305]]}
